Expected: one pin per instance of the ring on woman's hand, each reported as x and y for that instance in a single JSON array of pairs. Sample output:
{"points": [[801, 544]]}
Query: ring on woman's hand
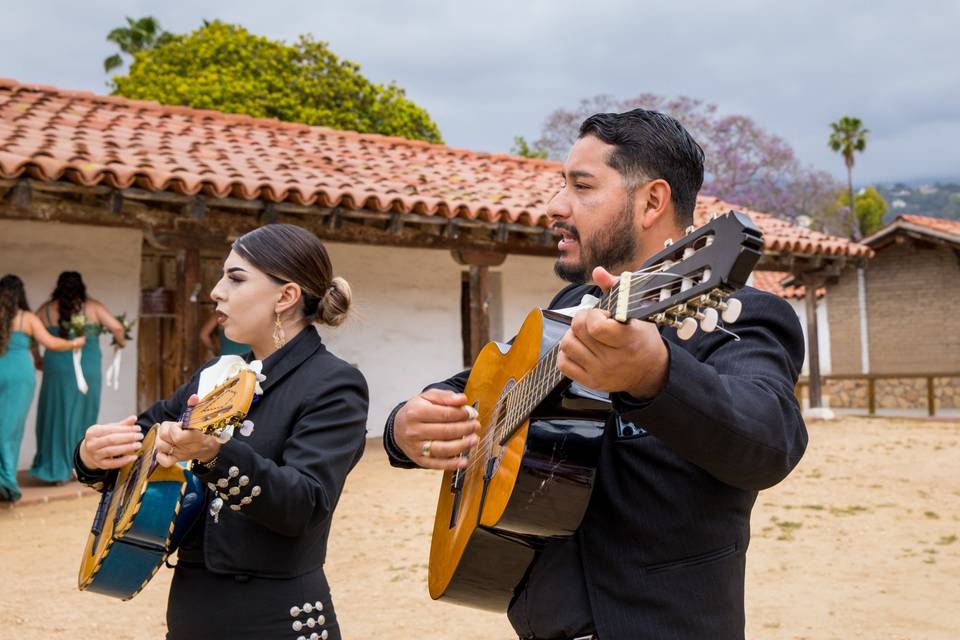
{"points": [[425, 449]]}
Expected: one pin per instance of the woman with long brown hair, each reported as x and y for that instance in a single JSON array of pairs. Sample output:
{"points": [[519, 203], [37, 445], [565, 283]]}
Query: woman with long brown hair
{"points": [[252, 567], [63, 410], [17, 378]]}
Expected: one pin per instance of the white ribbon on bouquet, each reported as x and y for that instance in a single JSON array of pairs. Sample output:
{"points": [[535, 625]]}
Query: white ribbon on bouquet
{"points": [[113, 371], [78, 370]]}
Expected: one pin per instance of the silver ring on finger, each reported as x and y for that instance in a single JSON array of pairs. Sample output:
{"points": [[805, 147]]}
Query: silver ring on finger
{"points": [[425, 448]]}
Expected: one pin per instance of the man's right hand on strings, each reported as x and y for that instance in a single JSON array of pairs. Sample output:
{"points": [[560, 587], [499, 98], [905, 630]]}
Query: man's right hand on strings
{"points": [[434, 428]]}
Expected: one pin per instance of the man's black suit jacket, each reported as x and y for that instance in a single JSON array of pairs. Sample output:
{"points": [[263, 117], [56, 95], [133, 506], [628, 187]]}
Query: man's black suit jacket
{"points": [[662, 547]]}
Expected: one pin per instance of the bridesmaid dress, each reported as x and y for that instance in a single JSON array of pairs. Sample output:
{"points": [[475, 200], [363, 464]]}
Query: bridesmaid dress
{"points": [[63, 413], [17, 382]]}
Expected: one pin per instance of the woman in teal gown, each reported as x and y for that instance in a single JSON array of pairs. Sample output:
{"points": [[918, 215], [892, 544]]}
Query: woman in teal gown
{"points": [[63, 412], [17, 378]]}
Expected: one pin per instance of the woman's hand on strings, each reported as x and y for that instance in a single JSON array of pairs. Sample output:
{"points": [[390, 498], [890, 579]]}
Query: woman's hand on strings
{"points": [[174, 443], [112, 445]]}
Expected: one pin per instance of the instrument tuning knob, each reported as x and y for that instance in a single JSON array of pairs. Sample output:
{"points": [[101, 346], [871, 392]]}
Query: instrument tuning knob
{"points": [[709, 319], [731, 310], [687, 327]]}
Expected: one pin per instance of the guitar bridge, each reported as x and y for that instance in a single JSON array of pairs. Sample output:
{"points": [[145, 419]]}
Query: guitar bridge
{"points": [[100, 518], [456, 488]]}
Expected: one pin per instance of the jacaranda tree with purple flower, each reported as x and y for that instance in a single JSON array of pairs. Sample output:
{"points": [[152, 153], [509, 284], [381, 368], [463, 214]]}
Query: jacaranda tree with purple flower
{"points": [[745, 164]]}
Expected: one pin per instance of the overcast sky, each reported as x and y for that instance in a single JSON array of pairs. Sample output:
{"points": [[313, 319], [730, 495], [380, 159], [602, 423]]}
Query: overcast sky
{"points": [[489, 70]]}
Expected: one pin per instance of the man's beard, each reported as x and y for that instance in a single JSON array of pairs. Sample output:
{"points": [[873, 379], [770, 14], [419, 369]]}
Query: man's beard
{"points": [[610, 247]]}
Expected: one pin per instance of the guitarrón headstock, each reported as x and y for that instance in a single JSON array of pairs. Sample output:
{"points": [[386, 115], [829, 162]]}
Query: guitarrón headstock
{"points": [[224, 406], [688, 283]]}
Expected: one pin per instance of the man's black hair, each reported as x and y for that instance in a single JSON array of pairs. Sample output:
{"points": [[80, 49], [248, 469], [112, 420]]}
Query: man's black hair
{"points": [[651, 145]]}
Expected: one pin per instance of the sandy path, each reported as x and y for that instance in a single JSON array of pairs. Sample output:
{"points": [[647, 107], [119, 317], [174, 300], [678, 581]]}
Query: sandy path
{"points": [[860, 542]]}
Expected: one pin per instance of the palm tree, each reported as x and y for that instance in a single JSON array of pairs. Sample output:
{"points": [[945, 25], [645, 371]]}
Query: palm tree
{"points": [[848, 136], [138, 35]]}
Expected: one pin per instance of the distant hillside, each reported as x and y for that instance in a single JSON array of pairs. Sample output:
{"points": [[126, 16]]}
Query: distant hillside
{"points": [[939, 199]]}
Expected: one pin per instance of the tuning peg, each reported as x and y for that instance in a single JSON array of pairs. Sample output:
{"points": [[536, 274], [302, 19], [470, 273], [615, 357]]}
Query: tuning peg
{"points": [[686, 328], [709, 318], [668, 242], [689, 230], [730, 310]]}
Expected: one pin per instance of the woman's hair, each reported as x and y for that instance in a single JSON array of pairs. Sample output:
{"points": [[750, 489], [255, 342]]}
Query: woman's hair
{"points": [[13, 297], [288, 253], [70, 294]]}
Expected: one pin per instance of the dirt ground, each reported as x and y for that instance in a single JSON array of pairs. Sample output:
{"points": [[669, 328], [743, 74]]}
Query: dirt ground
{"points": [[860, 542]]}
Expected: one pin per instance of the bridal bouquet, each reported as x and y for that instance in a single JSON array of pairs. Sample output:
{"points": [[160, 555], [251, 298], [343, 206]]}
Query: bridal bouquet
{"points": [[75, 329]]}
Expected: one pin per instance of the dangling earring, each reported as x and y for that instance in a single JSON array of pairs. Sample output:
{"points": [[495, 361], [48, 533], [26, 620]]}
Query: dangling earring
{"points": [[279, 336]]}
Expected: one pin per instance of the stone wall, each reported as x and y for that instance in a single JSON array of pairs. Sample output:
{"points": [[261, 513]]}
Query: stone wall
{"points": [[895, 393]]}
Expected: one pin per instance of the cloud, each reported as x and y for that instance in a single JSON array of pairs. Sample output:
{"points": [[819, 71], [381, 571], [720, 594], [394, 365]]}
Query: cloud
{"points": [[488, 71]]}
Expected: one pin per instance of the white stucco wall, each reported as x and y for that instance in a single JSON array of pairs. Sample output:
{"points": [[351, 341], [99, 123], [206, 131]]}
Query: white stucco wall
{"points": [[823, 333], [405, 329], [109, 261]]}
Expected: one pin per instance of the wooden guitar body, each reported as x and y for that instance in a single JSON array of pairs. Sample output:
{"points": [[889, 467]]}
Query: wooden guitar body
{"points": [[538, 489], [137, 524]]}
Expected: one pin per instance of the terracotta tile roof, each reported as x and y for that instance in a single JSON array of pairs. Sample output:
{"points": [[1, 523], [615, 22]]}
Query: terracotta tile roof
{"points": [[50, 134], [783, 236], [943, 225], [772, 281]]}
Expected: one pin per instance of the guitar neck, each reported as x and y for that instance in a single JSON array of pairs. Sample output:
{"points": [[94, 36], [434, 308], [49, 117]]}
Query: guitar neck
{"points": [[538, 383]]}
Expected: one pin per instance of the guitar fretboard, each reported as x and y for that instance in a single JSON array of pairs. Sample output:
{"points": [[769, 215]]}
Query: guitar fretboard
{"points": [[533, 388]]}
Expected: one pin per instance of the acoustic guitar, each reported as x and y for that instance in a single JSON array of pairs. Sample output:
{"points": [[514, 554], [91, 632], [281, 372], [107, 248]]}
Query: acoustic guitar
{"points": [[148, 510], [530, 476]]}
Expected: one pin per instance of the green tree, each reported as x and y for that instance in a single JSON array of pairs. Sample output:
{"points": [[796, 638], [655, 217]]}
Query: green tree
{"points": [[847, 136], [869, 207], [522, 148], [138, 35], [225, 67]]}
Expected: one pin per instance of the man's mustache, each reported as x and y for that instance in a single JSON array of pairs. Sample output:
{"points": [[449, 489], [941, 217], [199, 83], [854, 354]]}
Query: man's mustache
{"points": [[572, 230]]}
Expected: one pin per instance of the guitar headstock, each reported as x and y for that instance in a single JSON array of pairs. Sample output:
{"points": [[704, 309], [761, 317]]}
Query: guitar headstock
{"points": [[224, 406], [688, 283]]}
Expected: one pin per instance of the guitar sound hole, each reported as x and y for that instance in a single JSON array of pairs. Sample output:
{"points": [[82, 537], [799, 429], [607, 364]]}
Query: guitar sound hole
{"points": [[502, 425], [131, 485]]}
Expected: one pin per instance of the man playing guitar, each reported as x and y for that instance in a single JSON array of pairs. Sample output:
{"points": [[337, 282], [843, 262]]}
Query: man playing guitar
{"points": [[707, 422]]}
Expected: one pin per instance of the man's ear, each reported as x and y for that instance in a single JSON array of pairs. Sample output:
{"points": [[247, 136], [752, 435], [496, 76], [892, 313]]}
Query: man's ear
{"points": [[290, 296], [654, 203]]}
